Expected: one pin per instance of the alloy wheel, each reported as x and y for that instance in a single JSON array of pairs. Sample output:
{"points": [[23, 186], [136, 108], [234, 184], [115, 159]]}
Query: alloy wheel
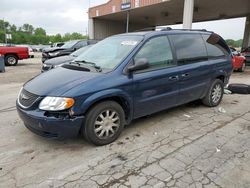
{"points": [[107, 124], [216, 93]]}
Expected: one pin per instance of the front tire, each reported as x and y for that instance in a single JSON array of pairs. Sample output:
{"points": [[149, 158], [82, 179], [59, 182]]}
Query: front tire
{"points": [[11, 60], [214, 94], [104, 123]]}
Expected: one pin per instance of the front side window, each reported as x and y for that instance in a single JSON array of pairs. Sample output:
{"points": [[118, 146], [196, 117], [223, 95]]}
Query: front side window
{"points": [[69, 44], [158, 53], [190, 48], [80, 44]]}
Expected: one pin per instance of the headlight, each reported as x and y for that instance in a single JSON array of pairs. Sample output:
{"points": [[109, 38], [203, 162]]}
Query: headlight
{"points": [[56, 103], [54, 53]]}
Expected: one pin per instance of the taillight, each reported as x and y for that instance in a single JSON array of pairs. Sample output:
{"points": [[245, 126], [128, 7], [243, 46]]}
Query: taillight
{"points": [[233, 60]]}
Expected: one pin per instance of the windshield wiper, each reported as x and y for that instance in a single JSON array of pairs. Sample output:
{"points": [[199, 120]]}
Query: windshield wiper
{"points": [[98, 68]]}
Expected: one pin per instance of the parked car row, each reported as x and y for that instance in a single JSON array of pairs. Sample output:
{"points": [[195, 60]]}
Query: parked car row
{"points": [[246, 52], [65, 49], [122, 78], [58, 61]]}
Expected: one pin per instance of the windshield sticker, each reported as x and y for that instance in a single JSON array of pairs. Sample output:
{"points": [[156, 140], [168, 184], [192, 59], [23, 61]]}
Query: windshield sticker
{"points": [[129, 43]]}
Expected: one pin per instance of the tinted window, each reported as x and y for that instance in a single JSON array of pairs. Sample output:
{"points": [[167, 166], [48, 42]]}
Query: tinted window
{"points": [[80, 44], [215, 47], [69, 44], [246, 49], [158, 52], [189, 48]]}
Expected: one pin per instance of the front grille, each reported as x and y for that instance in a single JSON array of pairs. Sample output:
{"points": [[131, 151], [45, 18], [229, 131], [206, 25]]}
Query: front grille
{"points": [[26, 99]]}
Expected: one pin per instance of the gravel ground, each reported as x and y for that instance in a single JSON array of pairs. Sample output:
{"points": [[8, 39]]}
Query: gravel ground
{"points": [[188, 146]]}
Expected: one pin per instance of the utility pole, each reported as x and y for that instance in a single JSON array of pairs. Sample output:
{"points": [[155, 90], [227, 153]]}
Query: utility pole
{"points": [[5, 32], [87, 29], [127, 25]]}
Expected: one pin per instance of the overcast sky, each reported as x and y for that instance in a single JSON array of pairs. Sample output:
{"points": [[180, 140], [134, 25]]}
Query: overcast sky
{"points": [[61, 16]]}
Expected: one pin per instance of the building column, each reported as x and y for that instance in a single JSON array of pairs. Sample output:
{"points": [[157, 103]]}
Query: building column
{"points": [[246, 39], [127, 23], [91, 28], [188, 14]]}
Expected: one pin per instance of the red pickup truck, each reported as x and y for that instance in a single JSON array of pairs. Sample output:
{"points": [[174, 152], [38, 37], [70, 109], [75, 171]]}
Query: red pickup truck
{"points": [[12, 54]]}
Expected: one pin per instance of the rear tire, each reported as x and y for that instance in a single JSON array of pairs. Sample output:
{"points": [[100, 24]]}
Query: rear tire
{"points": [[214, 94], [104, 123], [10, 60]]}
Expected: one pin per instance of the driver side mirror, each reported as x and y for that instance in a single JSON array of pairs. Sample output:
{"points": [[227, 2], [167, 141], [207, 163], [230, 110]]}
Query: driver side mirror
{"points": [[139, 64]]}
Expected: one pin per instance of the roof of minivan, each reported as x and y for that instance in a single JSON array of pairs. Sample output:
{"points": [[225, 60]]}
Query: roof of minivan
{"points": [[171, 31]]}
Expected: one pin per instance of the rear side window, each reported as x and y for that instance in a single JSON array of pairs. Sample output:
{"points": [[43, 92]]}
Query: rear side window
{"points": [[216, 48], [190, 48]]}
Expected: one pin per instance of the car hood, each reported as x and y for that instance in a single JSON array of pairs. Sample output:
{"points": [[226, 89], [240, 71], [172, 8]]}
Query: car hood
{"points": [[59, 60], [58, 81]]}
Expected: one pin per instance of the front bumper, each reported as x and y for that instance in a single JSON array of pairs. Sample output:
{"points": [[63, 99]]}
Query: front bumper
{"points": [[50, 127]]}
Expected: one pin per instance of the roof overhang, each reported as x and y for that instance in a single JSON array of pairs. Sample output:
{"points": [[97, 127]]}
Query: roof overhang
{"points": [[171, 12]]}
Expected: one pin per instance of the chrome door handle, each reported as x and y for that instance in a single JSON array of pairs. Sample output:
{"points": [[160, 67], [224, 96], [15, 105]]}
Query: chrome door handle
{"points": [[173, 78], [185, 75]]}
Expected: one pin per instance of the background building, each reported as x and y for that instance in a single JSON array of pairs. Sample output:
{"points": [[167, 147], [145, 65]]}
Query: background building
{"points": [[119, 16]]}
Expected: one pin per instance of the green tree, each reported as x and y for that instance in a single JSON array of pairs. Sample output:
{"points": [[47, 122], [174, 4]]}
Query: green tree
{"points": [[27, 34], [233, 43], [28, 28], [40, 31]]}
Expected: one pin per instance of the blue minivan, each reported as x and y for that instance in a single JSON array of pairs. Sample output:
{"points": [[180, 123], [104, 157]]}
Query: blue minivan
{"points": [[125, 77]]}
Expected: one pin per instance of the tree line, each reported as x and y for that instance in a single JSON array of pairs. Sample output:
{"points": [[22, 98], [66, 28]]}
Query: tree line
{"points": [[27, 34], [234, 43]]}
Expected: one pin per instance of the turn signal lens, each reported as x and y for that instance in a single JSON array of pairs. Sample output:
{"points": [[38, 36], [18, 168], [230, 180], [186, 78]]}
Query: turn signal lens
{"points": [[69, 102]]}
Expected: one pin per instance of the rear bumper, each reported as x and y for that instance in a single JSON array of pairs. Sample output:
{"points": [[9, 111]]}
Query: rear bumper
{"points": [[50, 127]]}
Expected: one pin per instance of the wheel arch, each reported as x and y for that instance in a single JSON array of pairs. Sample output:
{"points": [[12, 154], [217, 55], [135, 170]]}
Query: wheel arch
{"points": [[221, 77], [118, 96], [14, 54]]}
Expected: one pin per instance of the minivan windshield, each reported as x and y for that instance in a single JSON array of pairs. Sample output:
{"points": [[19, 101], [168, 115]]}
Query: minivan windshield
{"points": [[108, 53]]}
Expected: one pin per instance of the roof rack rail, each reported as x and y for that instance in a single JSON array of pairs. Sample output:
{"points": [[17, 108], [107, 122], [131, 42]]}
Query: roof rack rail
{"points": [[169, 28], [166, 28], [161, 28], [146, 29]]}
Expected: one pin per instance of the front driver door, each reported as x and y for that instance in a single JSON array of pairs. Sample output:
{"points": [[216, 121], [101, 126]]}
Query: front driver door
{"points": [[155, 88]]}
